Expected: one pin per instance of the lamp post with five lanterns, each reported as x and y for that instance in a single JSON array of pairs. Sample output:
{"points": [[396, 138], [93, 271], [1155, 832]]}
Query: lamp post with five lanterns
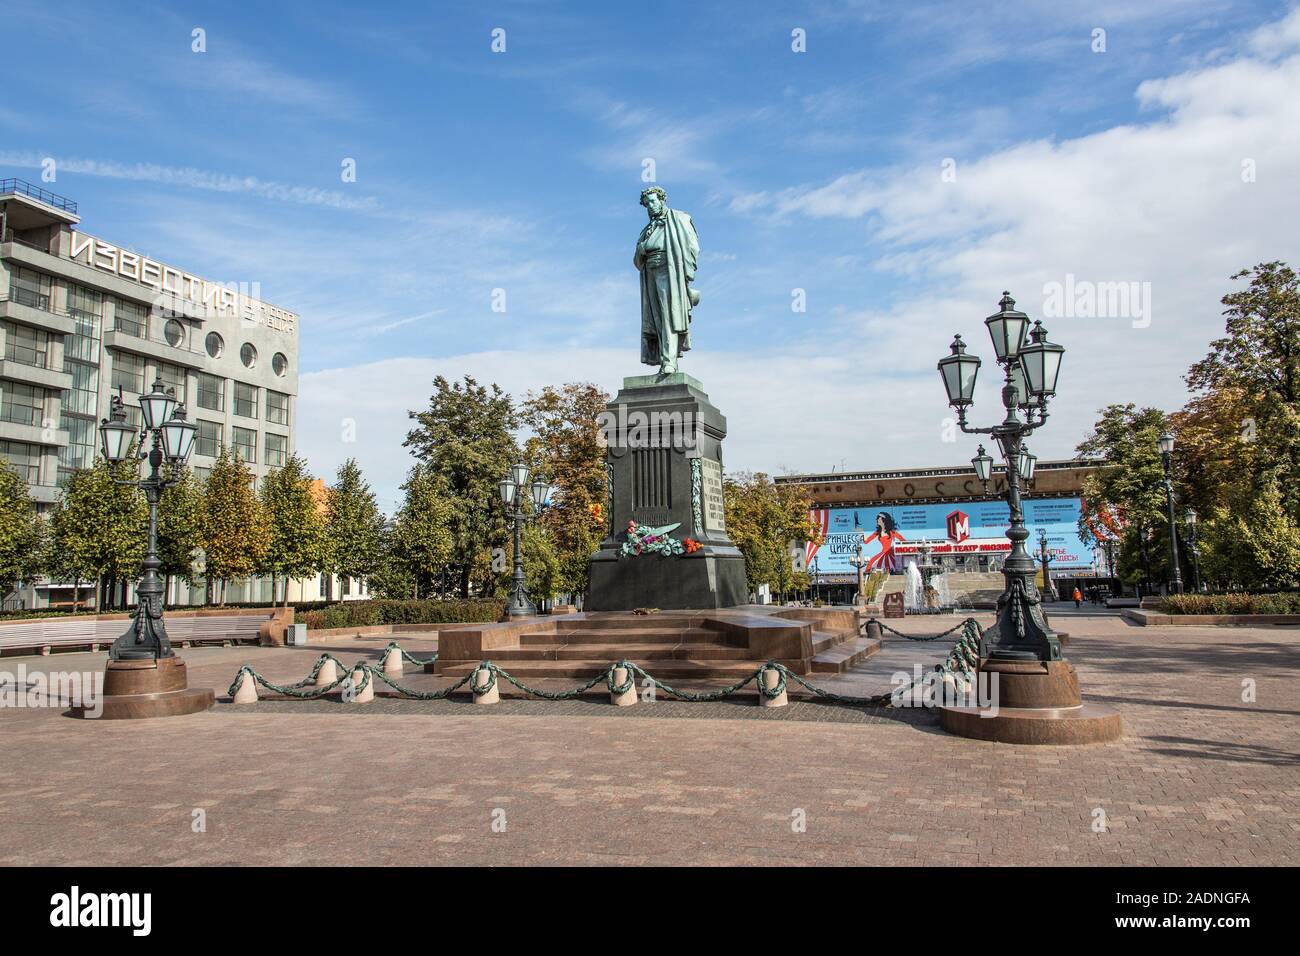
{"points": [[1030, 365], [163, 421]]}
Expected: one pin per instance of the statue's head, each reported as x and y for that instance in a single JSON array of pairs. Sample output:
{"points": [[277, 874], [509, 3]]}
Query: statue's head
{"points": [[654, 199]]}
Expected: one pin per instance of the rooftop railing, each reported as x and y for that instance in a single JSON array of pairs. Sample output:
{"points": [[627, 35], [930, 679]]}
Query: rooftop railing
{"points": [[20, 187]]}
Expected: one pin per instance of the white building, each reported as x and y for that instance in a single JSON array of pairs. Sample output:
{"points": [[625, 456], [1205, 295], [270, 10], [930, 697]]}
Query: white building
{"points": [[82, 319]]}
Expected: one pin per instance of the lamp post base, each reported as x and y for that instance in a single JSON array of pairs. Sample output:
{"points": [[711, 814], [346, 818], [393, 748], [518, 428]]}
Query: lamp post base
{"points": [[1037, 702], [136, 689]]}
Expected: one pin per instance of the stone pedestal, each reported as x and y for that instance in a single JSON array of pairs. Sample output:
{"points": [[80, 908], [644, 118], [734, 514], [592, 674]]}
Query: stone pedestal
{"points": [[664, 466], [1038, 702], [149, 688]]}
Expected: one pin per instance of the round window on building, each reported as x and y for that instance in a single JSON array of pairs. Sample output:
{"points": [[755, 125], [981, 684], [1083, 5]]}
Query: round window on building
{"points": [[215, 344], [279, 363], [248, 355], [174, 330]]}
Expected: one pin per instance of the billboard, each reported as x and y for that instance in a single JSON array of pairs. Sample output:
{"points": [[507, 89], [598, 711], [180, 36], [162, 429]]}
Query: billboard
{"points": [[891, 535]]}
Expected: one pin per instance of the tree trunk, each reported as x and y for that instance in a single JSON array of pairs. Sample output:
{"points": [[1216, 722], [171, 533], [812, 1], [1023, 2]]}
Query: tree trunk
{"points": [[464, 582]]}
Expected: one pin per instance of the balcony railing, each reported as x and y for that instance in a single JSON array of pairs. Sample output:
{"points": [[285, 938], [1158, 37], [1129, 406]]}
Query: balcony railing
{"points": [[20, 187]]}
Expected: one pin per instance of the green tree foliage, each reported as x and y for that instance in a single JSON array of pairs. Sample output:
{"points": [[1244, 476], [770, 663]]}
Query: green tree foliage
{"points": [[391, 577], [22, 531], [542, 568], [180, 518], [1257, 362], [1254, 542], [1242, 431], [567, 449], [1132, 482], [354, 526], [464, 440], [100, 528], [423, 537], [295, 524], [234, 526], [764, 519]]}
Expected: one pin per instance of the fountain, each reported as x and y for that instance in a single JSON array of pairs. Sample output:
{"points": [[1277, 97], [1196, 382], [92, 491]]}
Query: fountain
{"points": [[926, 590], [914, 590]]}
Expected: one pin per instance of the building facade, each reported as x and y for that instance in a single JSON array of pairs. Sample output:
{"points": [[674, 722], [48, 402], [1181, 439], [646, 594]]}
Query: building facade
{"points": [[82, 319]]}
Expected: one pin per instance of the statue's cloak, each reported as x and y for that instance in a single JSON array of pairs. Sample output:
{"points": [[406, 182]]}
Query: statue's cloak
{"points": [[682, 248]]}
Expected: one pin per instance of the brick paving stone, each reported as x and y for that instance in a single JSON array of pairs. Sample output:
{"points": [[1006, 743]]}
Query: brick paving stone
{"points": [[1201, 777]]}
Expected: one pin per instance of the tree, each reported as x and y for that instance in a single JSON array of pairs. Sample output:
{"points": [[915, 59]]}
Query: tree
{"points": [[22, 531], [392, 576], [764, 518], [354, 526], [234, 526], [464, 440], [1253, 541], [295, 525], [180, 517], [423, 537], [569, 450], [1257, 364], [1131, 481], [100, 528]]}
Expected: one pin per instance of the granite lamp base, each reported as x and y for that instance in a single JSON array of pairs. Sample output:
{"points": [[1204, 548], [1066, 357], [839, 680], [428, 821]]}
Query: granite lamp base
{"points": [[1037, 702], [147, 688]]}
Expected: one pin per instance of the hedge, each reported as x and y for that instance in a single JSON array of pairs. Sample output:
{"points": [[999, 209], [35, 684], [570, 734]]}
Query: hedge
{"points": [[374, 612], [1238, 603]]}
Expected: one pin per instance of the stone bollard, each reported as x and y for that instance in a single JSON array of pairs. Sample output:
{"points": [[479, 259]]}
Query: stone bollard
{"points": [[770, 678], [873, 630], [365, 695], [481, 679], [247, 693], [327, 674], [393, 662], [628, 697]]}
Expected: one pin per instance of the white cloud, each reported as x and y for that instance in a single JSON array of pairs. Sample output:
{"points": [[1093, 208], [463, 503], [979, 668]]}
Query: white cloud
{"points": [[193, 178]]}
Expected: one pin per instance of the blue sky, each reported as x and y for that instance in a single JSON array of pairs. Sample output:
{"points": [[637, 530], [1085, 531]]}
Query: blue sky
{"points": [[818, 171]]}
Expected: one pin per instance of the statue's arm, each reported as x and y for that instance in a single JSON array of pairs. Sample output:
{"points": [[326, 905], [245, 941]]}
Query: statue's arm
{"points": [[692, 251]]}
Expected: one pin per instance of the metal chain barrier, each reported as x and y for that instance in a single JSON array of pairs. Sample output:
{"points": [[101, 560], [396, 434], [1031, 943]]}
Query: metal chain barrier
{"points": [[917, 637], [406, 656], [959, 665]]}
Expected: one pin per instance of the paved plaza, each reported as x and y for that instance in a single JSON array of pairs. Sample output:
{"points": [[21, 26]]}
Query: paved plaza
{"points": [[1201, 777]]}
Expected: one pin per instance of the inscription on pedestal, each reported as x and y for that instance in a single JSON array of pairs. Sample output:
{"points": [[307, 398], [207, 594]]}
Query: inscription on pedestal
{"points": [[715, 514]]}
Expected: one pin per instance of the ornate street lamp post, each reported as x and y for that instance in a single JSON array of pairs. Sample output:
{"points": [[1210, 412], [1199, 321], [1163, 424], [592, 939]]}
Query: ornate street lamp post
{"points": [[1045, 558], [1166, 445], [1031, 693], [514, 495], [860, 562], [1021, 632], [144, 677], [172, 440], [816, 579], [1193, 550]]}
